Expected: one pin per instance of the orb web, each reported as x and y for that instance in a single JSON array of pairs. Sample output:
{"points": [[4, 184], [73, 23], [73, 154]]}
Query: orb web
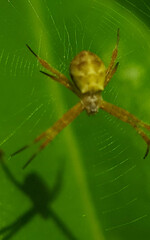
{"points": [[114, 168]]}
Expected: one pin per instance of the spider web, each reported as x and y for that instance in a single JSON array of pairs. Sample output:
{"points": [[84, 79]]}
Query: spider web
{"points": [[110, 151]]}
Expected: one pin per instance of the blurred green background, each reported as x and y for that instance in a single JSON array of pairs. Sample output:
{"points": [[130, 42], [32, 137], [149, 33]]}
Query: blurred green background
{"points": [[104, 193]]}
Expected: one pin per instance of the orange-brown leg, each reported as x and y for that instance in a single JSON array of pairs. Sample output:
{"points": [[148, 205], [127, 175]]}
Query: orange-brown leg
{"points": [[47, 65], [59, 77], [52, 132], [110, 75], [146, 139], [114, 55], [127, 117], [63, 82]]}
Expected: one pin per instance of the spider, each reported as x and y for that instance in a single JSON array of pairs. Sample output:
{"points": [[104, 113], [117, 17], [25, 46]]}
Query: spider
{"points": [[89, 78]]}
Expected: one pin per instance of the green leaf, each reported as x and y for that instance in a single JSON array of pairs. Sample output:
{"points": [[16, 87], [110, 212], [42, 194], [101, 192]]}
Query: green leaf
{"points": [[91, 182]]}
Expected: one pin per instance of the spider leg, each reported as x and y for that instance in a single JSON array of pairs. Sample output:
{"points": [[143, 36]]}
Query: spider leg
{"points": [[127, 117], [114, 55], [59, 77], [20, 150], [52, 132], [63, 82], [47, 65], [147, 152], [146, 139], [110, 75]]}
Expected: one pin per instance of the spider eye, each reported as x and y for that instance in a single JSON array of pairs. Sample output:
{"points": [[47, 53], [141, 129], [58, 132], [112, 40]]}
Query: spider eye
{"points": [[88, 72]]}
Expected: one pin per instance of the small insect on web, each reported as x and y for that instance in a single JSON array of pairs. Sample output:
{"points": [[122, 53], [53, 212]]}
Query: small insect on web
{"points": [[89, 78]]}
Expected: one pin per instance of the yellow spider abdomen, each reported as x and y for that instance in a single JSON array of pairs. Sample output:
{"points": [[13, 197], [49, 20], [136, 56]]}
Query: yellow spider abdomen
{"points": [[88, 72]]}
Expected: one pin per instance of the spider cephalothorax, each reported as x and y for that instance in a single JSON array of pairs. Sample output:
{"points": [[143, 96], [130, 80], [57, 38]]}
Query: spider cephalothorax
{"points": [[91, 102], [89, 78]]}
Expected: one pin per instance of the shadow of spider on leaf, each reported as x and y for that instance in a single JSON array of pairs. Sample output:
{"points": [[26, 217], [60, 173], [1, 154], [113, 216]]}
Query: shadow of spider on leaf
{"points": [[41, 197]]}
